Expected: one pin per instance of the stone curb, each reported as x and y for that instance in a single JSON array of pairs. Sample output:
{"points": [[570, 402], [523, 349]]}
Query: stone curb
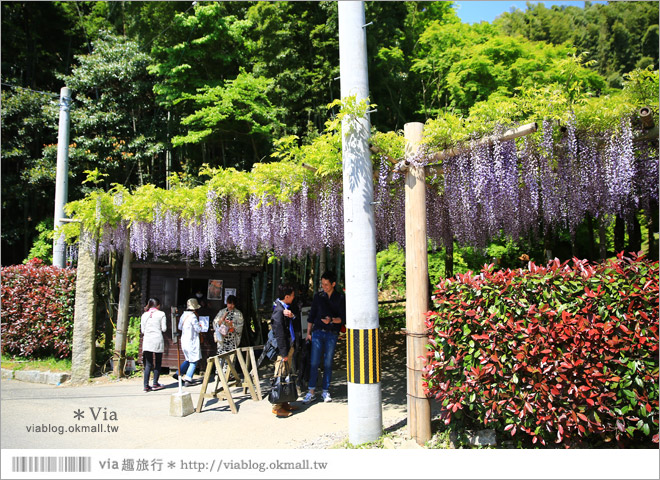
{"points": [[36, 376]]}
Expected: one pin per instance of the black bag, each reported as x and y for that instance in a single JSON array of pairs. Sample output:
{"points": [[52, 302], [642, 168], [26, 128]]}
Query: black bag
{"points": [[303, 367], [283, 386], [270, 349]]}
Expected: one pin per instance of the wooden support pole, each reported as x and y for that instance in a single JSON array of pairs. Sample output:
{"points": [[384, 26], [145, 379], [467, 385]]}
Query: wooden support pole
{"points": [[646, 116], [417, 291]]}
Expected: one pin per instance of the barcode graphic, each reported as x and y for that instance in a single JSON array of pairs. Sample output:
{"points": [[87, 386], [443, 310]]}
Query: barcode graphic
{"points": [[51, 464]]}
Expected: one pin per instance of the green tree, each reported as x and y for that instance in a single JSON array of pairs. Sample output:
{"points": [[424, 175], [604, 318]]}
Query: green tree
{"points": [[296, 44], [466, 64], [618, 36], [393, 42], [38, 41], [26, 200], [113, 117], [239, 108]]}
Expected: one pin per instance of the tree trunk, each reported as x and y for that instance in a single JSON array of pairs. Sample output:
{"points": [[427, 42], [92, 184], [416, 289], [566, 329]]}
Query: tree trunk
{"points": [[323, 261], [619, 234], [651, 229], [339, 265], [592, 240], [574, 250], [122, 314], [547, 244], [449, 259], [112, 300], [602, 237], [634, 234], [317, 275]]}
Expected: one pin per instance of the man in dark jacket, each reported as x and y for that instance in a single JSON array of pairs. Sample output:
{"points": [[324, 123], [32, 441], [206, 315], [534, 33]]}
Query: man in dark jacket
{"points": [[283, 332], [325, 320]]}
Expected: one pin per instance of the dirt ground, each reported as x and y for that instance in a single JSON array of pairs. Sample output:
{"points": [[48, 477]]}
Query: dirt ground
{"points": [[46, 416]]}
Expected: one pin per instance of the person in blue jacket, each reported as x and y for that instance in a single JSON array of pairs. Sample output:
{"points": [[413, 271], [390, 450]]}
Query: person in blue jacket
{"points": [[326, 317]]}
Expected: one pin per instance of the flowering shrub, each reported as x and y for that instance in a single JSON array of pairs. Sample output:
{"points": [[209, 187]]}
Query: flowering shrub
{"points": [[37, 310], [564, 353]]}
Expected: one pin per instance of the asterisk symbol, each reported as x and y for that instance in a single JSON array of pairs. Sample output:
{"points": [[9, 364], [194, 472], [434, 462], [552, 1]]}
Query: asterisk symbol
{"points": [[78, 414], [171, 465]]}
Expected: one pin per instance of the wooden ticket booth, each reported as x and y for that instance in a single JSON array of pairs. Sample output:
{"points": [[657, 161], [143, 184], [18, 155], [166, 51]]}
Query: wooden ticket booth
{"points": [[173, 281]]}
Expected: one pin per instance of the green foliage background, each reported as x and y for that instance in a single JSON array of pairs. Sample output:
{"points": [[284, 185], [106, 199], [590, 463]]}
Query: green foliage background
{"points": [[169, 94]]}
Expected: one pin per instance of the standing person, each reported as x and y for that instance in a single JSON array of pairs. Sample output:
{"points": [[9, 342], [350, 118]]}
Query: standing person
{"points": [[190, 328], [283, 332], [300, 345], [233, 320], [326, 317], [152, 325]]}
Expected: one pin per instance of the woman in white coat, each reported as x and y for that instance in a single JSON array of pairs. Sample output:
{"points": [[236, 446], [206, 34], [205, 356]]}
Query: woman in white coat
{"points": [[190, 328], [152, 325]]}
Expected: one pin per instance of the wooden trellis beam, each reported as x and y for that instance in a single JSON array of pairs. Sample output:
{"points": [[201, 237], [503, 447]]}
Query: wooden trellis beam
{"points": [[510, 134], [380, 152], [308, 167]]}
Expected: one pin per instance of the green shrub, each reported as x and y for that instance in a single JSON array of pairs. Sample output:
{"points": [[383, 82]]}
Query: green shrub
{"points": [[133, 338], [391, 267], [564, 354], [42, 247]]}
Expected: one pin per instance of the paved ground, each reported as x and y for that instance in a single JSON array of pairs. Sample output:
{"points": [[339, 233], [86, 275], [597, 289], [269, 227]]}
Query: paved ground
{"points": [[33, 415]]}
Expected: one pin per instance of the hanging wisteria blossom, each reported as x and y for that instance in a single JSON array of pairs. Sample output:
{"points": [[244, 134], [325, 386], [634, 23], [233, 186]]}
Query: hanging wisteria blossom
{"points": [[510, 188]]}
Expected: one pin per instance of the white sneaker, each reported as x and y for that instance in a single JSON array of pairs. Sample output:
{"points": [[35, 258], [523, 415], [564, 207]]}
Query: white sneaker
{"points": [[309, 398], [326, 396]]}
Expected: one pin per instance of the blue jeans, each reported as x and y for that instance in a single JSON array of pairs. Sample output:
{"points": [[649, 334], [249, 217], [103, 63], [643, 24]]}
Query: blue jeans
{"points": [[188, 368], [323, 343]]}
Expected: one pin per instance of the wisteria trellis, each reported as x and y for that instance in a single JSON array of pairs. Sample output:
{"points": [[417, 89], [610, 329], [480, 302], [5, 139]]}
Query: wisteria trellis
{"points": [[546, 181]]}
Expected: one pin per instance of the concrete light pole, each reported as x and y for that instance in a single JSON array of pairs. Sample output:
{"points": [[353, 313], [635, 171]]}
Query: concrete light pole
{"points": [[62, 177], [365, 418]]}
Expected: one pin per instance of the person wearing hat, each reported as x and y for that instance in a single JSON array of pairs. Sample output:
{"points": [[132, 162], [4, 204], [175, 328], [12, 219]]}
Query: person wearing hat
{"points": [[190, 328]]}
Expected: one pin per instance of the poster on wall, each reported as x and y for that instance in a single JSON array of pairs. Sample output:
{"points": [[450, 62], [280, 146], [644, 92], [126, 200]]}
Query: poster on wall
{"points": [[229, 291], [215, 290]]}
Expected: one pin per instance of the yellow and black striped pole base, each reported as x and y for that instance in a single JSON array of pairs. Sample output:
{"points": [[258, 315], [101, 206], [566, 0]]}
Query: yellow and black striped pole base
{"points": [[363, 357]]}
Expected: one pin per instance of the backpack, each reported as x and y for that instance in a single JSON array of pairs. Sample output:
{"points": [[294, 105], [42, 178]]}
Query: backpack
{"points": [[270, 349]]}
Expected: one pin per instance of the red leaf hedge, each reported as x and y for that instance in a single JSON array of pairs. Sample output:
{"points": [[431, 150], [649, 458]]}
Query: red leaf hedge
{"points": [[37, 310], [566, 353]]}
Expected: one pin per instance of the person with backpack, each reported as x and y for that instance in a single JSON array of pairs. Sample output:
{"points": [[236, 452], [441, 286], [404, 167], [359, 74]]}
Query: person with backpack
{"points": [[283, 332], [326, 318], [152, 325]]}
